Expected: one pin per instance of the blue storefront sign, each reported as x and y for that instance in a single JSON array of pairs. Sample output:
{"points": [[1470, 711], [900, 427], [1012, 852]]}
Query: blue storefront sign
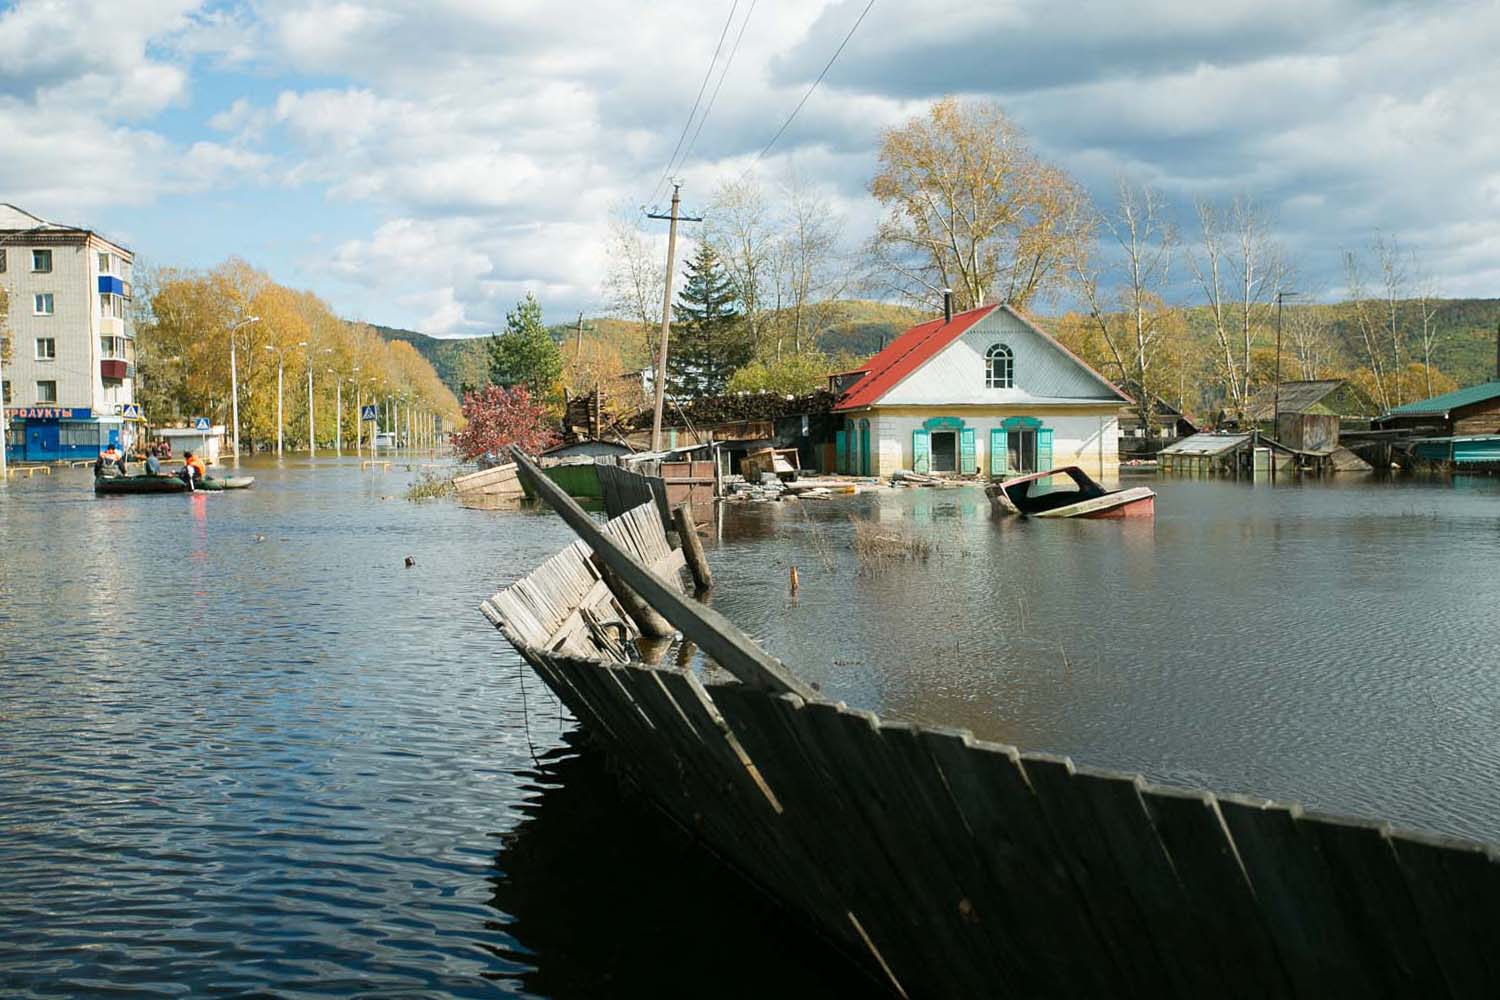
{"points": [[49, 413], [56, 433]]}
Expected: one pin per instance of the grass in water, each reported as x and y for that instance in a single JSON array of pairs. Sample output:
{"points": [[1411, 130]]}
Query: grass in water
{"points": [[429, 487], [877, 545]]}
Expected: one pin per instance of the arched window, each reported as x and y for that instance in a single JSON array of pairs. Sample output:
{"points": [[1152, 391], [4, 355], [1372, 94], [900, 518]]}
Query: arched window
{"points": [[999, 368]]}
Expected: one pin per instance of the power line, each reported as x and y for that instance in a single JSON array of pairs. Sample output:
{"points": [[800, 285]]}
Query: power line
{"points": [[696, 101], [722, 74], [831, 61]]}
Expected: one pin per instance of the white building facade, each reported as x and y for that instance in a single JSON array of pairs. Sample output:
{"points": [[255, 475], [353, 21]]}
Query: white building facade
{"points": [[986, 392], [69, 374]]}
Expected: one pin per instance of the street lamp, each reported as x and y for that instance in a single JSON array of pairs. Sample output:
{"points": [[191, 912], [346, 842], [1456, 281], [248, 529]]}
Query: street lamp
{"points": [[280, 372], [234, 381], [312, 432]]}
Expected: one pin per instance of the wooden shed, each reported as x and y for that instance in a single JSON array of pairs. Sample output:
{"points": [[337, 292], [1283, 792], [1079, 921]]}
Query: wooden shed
{"points": [[1470, 412]]}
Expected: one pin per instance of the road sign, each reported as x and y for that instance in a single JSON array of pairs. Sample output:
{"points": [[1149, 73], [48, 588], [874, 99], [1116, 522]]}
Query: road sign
{"points": [[200, 423], [131, 411], [367, 413]]}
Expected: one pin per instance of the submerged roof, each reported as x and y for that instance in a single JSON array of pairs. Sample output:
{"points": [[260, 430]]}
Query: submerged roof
{"points": [[1310, 396], [923, 342], [1449, 401], [1206, 444]]}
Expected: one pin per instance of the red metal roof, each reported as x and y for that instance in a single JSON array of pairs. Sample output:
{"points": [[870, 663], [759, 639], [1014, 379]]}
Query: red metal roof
{"points": [[906, 354]]}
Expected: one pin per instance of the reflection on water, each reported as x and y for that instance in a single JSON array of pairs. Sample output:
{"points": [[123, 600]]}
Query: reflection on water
{"points": [[1332, 643], [604, 891], [247, 752]]}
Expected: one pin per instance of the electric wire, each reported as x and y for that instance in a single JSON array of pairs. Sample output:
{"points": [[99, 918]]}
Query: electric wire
{"points": [[790, 118], [708, 73], [729, 60]]}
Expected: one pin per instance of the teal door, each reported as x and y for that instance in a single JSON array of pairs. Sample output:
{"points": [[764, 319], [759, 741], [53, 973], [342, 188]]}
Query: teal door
{"points": [[967, 463], [864, 447], [1043, 449], [997, 453], [921, 460], [840, 451]]}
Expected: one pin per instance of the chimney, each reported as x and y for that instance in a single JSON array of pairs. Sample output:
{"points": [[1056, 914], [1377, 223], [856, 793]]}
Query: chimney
{"points": [[947, 305]]}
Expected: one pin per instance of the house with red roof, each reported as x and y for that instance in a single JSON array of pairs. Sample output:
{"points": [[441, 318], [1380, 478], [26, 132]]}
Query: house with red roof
{"points": [[985, 392]]}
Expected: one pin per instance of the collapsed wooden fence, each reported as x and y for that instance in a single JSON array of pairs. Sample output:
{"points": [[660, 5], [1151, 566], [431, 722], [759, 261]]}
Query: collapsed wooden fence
{"points": [[955, 867]]}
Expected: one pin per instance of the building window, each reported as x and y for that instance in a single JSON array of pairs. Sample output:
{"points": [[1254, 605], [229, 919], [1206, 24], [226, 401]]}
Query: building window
{"points": [[2, 260], [5, 391], [104, 264], [999, 368], [111, 304], [46, 349], [113, 348], [41, 304], [46, 392], [41, 261]]}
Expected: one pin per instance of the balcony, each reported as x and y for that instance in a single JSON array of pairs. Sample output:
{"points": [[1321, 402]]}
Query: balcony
{"points": [[112, 369], [110, 283]]}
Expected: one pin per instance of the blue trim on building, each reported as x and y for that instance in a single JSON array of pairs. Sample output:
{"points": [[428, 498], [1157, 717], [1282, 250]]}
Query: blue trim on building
{"points": [[110, 283]]}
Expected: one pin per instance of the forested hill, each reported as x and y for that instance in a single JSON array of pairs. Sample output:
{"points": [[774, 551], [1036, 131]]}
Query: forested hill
{"points": [[458, 360], [848, 328]]}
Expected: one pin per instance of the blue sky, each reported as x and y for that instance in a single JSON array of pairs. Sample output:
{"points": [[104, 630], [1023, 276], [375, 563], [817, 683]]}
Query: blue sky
{"points": [[423, 164]]}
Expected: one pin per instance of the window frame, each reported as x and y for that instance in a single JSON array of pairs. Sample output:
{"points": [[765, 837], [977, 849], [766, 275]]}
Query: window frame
{"points": [[51, 343], [38, 298], [37, 254], [46, 381], [2, 260], [1005, 379], [105, 262]]}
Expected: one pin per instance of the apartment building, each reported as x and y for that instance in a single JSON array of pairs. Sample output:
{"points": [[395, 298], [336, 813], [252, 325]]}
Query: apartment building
{"points": [[69, 373]]}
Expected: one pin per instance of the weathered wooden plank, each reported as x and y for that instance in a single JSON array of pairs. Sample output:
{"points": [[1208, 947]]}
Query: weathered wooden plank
{"points": [[902, 824], [1455, 888], [1363, 867], [831, 834], [1295, 894], [717, 636], [1048, 914], [1117, 916], [1141, 863], [1218, 891]]}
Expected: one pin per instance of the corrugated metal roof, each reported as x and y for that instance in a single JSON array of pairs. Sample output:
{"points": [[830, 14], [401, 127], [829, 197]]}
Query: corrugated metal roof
{"points": [[1206, 444], [1448, 401]]}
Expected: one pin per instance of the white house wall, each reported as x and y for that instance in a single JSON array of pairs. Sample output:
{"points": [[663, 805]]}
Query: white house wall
{"points": [[1087, 440], [956, 374]]}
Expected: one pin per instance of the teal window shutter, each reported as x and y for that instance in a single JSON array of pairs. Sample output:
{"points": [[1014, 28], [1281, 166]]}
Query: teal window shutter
{"points": [[920, 462], [967, 463], [841, 451], [997, 452], [864, 447], [1044, 449]]}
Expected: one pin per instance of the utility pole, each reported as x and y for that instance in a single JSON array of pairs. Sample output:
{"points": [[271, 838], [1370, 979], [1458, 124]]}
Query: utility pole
{"points": [[1276, 392], [666, 314]]}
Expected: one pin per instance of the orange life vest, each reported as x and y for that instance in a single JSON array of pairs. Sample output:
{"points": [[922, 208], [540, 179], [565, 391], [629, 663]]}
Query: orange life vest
{"points": [[196, 464]]}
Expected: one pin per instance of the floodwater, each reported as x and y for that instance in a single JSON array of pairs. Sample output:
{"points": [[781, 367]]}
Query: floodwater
{"points": [[247, 752], [1334, 643]]}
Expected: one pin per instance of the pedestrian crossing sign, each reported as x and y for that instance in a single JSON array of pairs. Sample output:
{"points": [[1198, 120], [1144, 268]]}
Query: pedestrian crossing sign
{"points": [[367, 413]]}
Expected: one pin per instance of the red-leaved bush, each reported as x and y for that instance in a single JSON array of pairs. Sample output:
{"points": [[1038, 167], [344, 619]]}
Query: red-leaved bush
{"points": [[498, 418]]}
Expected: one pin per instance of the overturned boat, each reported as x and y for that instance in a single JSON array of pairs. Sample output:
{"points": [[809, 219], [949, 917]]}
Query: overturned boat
{"points": [[1032, 496]]}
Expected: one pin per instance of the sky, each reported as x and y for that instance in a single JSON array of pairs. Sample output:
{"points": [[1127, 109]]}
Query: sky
{"points": [[425, 163]]}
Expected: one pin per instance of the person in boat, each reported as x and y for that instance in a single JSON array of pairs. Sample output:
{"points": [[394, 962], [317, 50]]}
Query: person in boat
{"points": [[153, 464], [193, 469], [109, 462]]}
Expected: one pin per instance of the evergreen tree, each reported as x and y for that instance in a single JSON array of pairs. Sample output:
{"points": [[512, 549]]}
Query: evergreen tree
{"points": [[708, 341], [525, 353]]}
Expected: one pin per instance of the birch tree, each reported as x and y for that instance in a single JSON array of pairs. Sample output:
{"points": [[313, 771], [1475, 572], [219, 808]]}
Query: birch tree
{"points": [[740, 226], [1139, 327], [1428, 295], [1240, 271], [971, 208], [635, 280], [813, 270]]}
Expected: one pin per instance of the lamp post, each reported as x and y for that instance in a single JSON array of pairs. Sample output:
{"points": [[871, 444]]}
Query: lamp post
{"points": [[338, 413], [280, 382], [234, 381], [312, 432]]}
